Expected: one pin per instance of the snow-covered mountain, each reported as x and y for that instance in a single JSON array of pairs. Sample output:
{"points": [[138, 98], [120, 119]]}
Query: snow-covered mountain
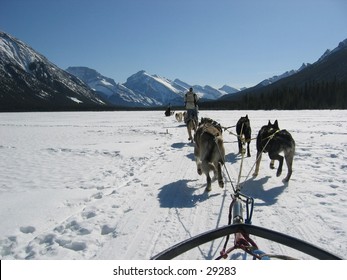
{"points": [[208, 92], [161, 90], [144, 89], [115, 93], [228, 89], [29, 81], [286, 74], [94, 79], [167, 91]]}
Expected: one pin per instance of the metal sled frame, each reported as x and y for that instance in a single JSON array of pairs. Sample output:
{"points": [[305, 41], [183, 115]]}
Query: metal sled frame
{"points": [[241, 231], [278, 237]]}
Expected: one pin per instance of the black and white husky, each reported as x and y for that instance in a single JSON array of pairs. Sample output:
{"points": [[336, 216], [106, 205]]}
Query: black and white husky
{"points": [[273, 141], [209, 150]]}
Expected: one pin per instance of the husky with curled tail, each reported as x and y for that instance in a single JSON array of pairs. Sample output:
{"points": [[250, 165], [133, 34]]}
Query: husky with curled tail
{"points": [[273, 141], [209, 151]]}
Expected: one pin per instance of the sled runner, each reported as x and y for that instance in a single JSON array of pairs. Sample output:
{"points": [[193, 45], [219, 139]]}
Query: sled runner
{"points": [[242, 229]]}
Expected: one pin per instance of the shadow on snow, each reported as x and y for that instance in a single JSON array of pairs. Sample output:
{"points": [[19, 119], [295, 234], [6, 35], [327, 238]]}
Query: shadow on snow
{"points": [[180, 195], [255, 188], [180, 145]]}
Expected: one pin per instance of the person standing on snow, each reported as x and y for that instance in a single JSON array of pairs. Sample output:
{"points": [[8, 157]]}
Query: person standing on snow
{"points": [[190, 102], [168, 111]]}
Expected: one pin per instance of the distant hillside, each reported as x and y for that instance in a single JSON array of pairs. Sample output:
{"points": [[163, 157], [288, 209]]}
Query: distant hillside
{"points": [[108, 89], [321, 85], [143, 89], [29, 81]]}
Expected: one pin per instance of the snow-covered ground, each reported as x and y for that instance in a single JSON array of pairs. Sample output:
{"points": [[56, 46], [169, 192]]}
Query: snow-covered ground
{"points": [[123, 185]]}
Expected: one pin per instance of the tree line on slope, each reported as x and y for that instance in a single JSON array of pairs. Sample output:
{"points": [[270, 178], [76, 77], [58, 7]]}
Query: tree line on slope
{"points": [[312, 95]]}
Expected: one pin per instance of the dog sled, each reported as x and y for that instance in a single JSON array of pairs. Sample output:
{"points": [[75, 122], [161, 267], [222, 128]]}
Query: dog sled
{"points": [[241, 228]]}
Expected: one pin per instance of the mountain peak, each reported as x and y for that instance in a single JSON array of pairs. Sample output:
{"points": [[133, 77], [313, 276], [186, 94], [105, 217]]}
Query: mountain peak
{"points": [[82, 72], [14, 50], [29, 81], [303, 66], [139, 73], [325, 54], [229, 89], [341, 45]]}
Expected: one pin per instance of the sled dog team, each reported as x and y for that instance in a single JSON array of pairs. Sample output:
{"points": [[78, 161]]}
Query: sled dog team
{"points": [[209, 148]]}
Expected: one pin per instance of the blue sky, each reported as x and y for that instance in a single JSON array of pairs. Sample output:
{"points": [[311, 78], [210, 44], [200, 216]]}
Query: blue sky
{"points": [[205, 42]]}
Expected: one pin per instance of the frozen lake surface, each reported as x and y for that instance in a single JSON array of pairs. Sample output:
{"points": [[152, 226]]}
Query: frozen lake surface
{"points": [[123, 185]]}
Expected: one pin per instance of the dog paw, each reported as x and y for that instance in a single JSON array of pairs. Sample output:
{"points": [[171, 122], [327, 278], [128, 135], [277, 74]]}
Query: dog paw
{"points": [[221, 184], [199, 171], [285, 180], [255, 174], [208, 189]]}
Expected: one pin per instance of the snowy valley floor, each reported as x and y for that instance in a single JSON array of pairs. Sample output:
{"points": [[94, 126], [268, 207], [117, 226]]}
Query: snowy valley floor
{"points": [[123, 185]]}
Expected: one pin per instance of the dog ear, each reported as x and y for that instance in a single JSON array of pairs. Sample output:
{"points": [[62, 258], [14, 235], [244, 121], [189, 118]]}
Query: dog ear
{"points": [[247, 117], [269, 124], [276, 124]]}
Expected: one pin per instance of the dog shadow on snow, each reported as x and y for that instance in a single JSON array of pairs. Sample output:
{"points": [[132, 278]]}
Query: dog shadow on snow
{"points": [[231, 158], [180, 145], [255, 188], [180, 195]]}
